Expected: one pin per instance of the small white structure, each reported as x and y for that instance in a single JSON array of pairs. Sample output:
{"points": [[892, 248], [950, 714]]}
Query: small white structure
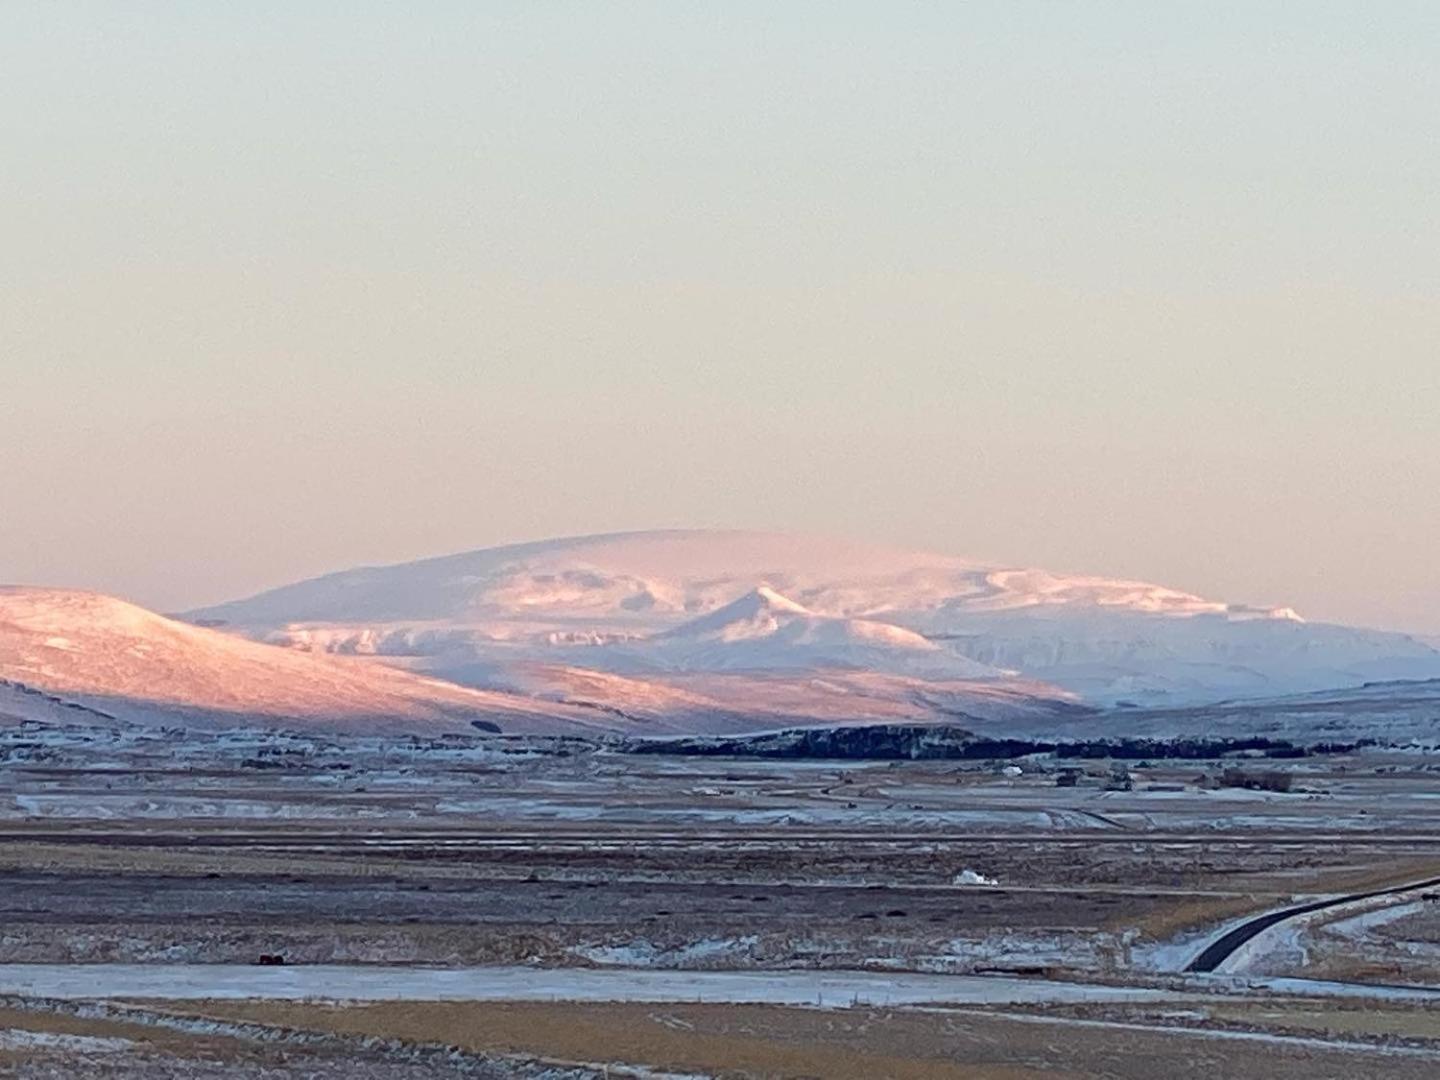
{"points": [[970, 877]]}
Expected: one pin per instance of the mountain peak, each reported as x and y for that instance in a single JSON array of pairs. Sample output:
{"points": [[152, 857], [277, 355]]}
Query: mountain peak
{"points": [[768, 598], [755, 613]]}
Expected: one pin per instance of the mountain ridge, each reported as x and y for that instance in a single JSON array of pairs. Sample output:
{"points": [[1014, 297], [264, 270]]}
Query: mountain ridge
{"points": [[631, 557], [618, 602], [77, 658]]}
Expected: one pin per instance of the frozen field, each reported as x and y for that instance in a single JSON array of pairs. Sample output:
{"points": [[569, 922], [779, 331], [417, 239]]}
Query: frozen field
{"points": [[330, 982], [496, 874]]}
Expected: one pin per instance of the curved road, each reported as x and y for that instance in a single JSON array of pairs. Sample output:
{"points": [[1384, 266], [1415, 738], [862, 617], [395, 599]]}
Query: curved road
{"points": [[1220, 950]]}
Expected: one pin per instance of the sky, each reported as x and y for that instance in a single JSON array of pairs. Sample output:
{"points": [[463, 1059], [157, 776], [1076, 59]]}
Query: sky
{"points": [[1138, 289]]}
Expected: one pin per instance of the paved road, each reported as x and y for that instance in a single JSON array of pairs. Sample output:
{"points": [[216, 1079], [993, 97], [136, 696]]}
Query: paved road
{"points": [[1220, 950]]}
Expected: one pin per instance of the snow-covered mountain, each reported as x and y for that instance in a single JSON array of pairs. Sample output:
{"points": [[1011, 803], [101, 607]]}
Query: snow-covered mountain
{"points": [[75, 658], [674, 605], [671, 632], [646, 580]]}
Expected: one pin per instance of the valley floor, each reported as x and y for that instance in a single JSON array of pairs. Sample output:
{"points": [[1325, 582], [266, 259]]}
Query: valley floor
{"points": [[514, 908]]}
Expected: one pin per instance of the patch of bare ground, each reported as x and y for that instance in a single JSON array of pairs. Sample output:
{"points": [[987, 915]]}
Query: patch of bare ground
{"points": [[736, 1041], [59, 1023], [1404, 950], [1273, 890], [1379, 1022], [1395, 968], [45, 1045], [1343, 1018], [1191, 914], [313, 917], [1373, 875], [56, 1040]]}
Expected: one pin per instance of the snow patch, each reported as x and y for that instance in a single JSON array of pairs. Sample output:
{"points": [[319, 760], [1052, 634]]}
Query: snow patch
{"points": [[972, 877], [20, 1039]]}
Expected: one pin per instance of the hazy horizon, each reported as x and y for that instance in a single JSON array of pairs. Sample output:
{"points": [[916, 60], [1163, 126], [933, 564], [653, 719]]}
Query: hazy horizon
{"points": [[800, 535], [1113, 290]]}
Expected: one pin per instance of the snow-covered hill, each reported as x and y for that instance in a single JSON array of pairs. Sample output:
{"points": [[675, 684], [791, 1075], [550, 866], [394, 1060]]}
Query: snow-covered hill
{"points": [[662, 604], [78, 657], [737, 701], [73, 658], [1398, 712], [20, 704]]}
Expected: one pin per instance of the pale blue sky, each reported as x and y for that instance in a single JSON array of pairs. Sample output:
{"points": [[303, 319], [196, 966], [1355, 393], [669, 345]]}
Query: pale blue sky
{"points": [[1144, 288]]}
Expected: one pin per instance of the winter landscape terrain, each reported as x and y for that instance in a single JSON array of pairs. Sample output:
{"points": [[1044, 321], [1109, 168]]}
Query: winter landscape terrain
{"points": [[664, 607], [714, 804]]}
